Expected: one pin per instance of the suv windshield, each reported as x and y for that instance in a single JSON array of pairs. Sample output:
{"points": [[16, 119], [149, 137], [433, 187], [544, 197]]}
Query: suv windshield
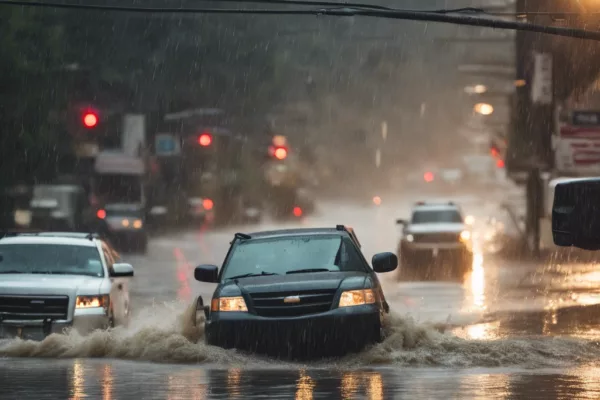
{"points": [[50, 259], [436, 216], [286, 254]]}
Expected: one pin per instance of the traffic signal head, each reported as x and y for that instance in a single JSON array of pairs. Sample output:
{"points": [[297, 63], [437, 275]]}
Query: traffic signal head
{"points": [[90, 119], [279, 152], [205, 139]]}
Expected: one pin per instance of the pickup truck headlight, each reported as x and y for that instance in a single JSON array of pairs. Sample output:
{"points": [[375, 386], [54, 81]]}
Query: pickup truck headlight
{"points": [[410, 238], [351, 298], [228, 304], [465, 236], [92, 301]]}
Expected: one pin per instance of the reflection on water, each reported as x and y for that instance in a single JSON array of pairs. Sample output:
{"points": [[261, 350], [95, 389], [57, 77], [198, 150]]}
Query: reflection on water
{"points": [[304, 387], [355, 382], [107, 382], [478, 282], [375, 389], [77, 381], [485, 331], [234, 376], [187, 385], [101, 379], [486, 386]]}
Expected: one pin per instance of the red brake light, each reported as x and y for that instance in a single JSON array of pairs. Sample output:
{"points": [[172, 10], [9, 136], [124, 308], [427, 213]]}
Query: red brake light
{"points": [[297, 212], [207, 204], [101, 214], [280, 153], [205, 139], [500, 163], [428, 176], [90, 120]]}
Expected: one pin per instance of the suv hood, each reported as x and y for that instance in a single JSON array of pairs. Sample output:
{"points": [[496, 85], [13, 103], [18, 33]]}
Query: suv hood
{"points": [[41, 284], [296, 282], [436, 228]]}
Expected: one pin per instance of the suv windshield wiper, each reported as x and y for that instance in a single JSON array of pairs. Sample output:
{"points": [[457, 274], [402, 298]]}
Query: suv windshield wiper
{"points": [[263, 273], [299, 271]]}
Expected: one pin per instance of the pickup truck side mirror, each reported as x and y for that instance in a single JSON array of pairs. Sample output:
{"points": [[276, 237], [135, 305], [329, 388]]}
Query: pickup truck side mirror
{"points": [[121, 270], [575, 214]]}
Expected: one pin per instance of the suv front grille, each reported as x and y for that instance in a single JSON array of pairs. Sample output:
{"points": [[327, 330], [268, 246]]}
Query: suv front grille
{"points": [[311, 302], [436, 237], [33, 307]]}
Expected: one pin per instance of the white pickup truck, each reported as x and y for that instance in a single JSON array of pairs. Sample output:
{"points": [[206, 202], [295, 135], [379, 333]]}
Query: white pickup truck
{"points": [[52, 282]]}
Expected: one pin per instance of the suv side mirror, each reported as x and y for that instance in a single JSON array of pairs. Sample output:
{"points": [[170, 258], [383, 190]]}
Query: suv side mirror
{"points": [[206, 273], [384, 262], [121, 270], [400, 221], [575, 214]]}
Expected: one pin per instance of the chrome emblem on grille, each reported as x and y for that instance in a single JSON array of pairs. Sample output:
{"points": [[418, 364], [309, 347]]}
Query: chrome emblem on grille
{"points": [[37, 302], [292, 299]]}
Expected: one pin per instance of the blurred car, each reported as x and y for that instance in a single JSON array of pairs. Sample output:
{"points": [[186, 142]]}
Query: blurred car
{"points": [[296, 293], [436, 233], [53, 281], [125, 225]]}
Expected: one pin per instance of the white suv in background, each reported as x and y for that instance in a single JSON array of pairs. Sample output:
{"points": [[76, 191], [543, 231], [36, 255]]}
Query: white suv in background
{"points": [[435, 234], [53, 281]]}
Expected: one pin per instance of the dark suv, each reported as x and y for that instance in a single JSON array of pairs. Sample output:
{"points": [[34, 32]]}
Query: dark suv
{"points": [[297, 293]]}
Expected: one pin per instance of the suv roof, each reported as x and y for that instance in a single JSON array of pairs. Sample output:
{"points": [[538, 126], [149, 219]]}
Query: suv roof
{"points": [[58, 238], [341, 230], [436, 206], [297, 231]]}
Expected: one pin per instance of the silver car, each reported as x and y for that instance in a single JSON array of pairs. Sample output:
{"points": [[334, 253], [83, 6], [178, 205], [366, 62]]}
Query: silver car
{"points": [[51, 282]]}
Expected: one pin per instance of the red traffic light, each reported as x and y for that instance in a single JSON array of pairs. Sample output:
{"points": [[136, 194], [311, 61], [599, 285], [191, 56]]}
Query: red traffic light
{"points": [[500, 163], [205, 139], [101, 214], [297, 211], [90, 119], [207, 204], [280, 153]]}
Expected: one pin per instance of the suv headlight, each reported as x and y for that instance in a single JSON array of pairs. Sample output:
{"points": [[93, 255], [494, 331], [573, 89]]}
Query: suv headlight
{"points": [[228, 304], [92, 301], [352, 298], [410, 238], [465, 236]]}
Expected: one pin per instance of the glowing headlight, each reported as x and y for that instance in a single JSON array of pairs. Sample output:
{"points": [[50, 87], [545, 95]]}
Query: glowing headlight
{"points": [[125, 223], [469, 220], [410, 238], [92, 301], [465, 235], [226, 304], [351, 298], [137, 224]]}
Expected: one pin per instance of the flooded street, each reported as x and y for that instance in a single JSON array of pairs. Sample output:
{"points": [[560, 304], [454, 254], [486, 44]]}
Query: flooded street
{"points": [[507, 331]]}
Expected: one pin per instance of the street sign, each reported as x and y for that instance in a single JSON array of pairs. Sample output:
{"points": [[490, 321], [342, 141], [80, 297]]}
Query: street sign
{"points": [[586, 118], [541, 88], [167, 145]]}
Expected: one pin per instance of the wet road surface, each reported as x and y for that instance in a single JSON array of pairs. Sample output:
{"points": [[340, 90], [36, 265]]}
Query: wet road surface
{"points": [[509, 330]]}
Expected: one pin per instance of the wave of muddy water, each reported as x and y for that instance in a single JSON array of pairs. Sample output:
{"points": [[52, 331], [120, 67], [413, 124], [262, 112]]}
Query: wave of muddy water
{"points": [[165, 334]]}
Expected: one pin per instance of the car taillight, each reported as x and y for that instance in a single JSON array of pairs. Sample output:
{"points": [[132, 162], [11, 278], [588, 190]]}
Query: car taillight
{"points": [[101, 214], [208, 204], [297, 212]]}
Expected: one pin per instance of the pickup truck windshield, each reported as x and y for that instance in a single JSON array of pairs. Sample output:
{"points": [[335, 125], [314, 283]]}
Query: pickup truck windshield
{"points": [[286, 254], [50, 259], [436, 216]]}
